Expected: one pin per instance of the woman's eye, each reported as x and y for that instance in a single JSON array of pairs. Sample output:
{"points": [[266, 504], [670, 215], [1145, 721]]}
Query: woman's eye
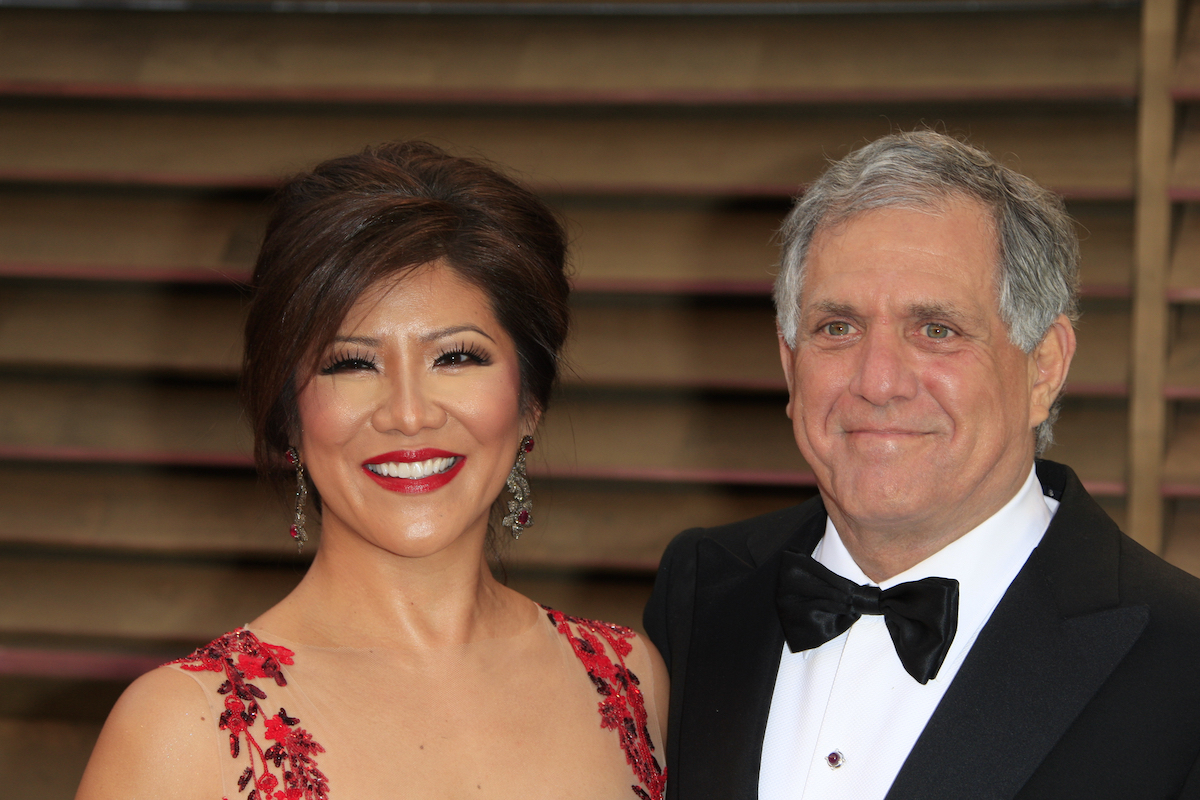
{"points": [[354, 363], [454, 359], [461, 356], [935, 331], [838, 328]]}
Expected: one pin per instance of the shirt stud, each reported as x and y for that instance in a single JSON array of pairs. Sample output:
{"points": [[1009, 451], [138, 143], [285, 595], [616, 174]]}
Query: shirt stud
{"points": [[835, 759]]}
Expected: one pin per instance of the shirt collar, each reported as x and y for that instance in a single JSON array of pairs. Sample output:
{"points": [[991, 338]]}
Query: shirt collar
{"points": [[984, 560]]}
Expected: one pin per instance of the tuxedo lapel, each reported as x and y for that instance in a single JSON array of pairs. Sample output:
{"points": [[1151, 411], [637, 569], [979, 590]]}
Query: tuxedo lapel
{"points": [[1056, 635], [739, 641]]}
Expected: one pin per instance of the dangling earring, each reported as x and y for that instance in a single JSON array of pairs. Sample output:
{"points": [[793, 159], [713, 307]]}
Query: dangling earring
{"points": [[297, 530], [520, 508]]}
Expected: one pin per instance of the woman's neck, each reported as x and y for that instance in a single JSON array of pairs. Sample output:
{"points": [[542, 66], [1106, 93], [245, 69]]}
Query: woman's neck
{"points": [[356, 593]]}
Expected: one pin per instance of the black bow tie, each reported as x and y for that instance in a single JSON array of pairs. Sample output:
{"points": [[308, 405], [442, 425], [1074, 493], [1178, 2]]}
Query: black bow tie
{"points": [[816, 605]]}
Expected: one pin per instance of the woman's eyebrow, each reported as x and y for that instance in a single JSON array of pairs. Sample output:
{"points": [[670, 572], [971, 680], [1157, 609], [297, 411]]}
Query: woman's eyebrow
{"points": [[365, 341], [441, 333]]}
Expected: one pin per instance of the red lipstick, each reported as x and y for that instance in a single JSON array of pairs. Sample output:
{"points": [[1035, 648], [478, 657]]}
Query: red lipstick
{"points": [[427, 483]]}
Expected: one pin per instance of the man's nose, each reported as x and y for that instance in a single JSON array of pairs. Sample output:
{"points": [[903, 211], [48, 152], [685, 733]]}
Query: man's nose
{"points": [[408, 404], [884, 371]]}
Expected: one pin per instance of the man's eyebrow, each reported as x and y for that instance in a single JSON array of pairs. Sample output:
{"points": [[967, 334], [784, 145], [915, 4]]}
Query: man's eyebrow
{"points": [[831, 308], [939, 311]]}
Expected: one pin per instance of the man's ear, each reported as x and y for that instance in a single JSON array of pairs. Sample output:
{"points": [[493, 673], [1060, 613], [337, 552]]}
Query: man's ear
{"points": [[1051, 360], [788, 357]]}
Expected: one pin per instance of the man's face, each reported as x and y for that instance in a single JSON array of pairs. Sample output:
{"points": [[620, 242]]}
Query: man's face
{"points": [[908, 400]]}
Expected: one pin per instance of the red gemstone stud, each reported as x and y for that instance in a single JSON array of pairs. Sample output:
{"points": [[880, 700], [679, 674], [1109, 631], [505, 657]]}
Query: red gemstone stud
{"points": [[295, 532], [523, 518], [528, 444]]}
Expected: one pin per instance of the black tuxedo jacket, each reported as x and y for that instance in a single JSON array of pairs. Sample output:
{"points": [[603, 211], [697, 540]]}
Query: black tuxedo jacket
{"points": [[1084, 683]]}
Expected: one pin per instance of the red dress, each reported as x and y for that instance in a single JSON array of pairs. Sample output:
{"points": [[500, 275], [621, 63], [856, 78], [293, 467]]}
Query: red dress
{"points": [[272, 753]]}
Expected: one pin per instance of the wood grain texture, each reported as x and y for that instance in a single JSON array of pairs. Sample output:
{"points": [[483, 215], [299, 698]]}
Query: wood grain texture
{"points": [[181, 237], [1083, 151], [143, 601], [658, 436], [1181, 539], [1054, 54], [1184, 279], [1152, 241], [1101, 365], [1181, 467], [121, 328], [44, 758], [617, 245], [229, 515]]}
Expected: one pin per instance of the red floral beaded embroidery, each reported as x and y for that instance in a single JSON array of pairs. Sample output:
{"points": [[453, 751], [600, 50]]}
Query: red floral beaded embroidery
{"points": [[622, 708], [256, 659]]}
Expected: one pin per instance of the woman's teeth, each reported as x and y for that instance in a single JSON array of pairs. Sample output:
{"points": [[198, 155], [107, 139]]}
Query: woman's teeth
{"points": [[413, 469]]}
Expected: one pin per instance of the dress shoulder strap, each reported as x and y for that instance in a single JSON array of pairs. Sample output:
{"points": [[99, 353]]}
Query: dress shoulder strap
{"points": [[622, 706], [284, 770]]}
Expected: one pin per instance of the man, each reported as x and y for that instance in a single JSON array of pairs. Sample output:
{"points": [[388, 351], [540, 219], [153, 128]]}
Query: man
{"points": [[1018, 644]]}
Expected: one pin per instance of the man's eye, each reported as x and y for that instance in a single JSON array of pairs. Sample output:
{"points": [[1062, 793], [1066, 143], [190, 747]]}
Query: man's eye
{"points": [[838, 328], [935, 331]]}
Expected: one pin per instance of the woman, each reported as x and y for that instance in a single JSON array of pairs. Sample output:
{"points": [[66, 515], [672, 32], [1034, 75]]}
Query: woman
{"points": [[409, 312]]}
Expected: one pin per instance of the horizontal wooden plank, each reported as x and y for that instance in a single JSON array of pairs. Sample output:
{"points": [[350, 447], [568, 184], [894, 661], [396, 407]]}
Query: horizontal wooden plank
{"points": [[75, 233], [545, 59], [1105, 248], [675, 343], [156, 330], [135, 600], [1090, 436], [123, 327], [1183, 358], [1101, 365], [1186, 84], [612, 436], [139, 421], [145, 601], [1181, 539], [628, 525], [688, 247], [1181, 467], [44, 758], [1083, 151], [122, 508], [1185, 170], [618, 341], [116, 509], [1183, 280], [179, 237]]}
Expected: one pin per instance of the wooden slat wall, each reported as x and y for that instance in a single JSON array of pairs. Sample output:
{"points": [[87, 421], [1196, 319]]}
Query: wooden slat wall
{"points": [[136, 148]]}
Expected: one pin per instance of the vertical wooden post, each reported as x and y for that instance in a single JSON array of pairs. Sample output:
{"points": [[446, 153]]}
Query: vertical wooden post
{"points": [[1152, 249]]}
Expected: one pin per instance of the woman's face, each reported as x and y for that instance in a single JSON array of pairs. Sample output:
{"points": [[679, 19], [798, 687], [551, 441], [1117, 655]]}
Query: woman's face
{"points": [[412, 420]]}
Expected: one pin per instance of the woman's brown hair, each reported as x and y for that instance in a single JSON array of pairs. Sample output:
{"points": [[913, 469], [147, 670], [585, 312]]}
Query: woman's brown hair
{"points": [[350, 222]]}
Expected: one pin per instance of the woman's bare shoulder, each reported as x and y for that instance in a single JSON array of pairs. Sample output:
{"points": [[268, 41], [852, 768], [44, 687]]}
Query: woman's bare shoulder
{"points": [[646, 656], [160, 740]]}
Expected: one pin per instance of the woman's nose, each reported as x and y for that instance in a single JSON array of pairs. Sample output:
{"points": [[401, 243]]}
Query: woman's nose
{"points": [[408, 404]]}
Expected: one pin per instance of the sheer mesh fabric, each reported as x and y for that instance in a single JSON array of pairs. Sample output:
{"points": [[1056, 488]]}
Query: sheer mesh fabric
{"points": [[516, 717]]}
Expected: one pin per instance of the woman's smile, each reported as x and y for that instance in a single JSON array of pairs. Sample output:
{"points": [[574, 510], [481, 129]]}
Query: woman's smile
{"points": [[414, 471]]}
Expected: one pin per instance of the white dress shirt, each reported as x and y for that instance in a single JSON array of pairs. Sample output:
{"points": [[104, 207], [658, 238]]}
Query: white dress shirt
{"points": [[845, 715]]}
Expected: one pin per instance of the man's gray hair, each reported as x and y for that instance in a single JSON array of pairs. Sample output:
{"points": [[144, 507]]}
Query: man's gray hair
{"points": [[1038, 256]]}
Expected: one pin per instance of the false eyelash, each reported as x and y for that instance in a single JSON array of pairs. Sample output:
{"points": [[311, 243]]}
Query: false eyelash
{"points": [[474, 351], [345, 358]]}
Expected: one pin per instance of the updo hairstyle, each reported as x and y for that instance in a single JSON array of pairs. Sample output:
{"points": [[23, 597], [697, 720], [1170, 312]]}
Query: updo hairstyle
{"points": [[352, 222]]}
